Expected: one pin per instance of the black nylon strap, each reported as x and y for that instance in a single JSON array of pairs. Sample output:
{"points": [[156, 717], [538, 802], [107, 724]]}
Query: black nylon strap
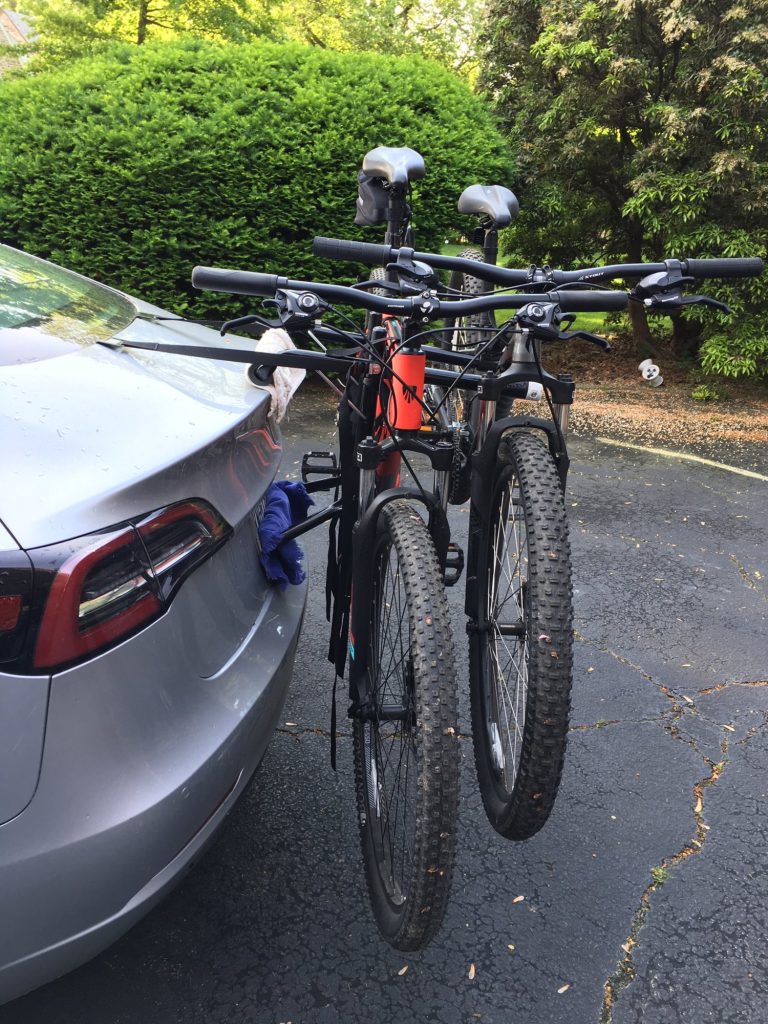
{"points": [[300, 358], [333, 723]]}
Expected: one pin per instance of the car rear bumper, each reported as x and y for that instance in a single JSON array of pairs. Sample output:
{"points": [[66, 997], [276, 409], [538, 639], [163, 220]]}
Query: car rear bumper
{"points": [[125, 802]]}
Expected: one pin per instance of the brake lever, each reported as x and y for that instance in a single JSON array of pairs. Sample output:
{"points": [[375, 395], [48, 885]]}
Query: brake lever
{"points": [[706, 300], [587, 336], [247, 321], [674, 301]]}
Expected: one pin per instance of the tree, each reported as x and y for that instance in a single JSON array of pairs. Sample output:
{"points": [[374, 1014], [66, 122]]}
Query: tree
{"points": [[441, 30], [67, 29], [640, 126]]}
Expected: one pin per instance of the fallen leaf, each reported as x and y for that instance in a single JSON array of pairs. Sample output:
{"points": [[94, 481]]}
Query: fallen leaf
{"points": [[730, 728], [687, 699], [518, 899], [402, 970], [471, 972], [627, 947], [699, 805], [563, 988]]}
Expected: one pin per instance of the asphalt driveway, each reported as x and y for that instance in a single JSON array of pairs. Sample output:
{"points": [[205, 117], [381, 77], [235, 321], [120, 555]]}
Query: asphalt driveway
{"points": [[644, 899]]}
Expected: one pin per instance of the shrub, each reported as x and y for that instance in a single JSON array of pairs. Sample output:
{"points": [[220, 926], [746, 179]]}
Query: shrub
{"points": [[737, 353], [705, 393], [136, 165]]}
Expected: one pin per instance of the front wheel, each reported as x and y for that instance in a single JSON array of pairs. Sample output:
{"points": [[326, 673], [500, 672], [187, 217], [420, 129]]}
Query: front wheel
{"points": [[520, 639], [405, 744]]}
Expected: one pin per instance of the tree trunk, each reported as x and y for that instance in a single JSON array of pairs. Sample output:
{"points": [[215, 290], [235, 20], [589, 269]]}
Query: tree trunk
{"points": [[686, 335], [642, 341], [641, 333], [141, 33]]}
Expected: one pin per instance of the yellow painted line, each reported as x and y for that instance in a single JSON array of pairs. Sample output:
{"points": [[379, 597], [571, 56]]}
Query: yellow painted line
{"points": [[682, 455]]}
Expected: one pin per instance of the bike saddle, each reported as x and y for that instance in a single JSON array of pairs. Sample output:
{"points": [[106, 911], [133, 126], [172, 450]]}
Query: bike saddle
{"points": [[493, 201], [397, 165]]}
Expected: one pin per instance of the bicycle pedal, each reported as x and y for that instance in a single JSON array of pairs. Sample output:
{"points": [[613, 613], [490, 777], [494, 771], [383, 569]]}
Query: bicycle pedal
{"points": [[454, 565], [319, 464]]}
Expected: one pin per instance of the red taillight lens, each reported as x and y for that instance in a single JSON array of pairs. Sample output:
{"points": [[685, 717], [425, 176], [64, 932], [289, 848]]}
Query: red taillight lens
{"points": [[100, 593], [107, 586], [10, 612]]}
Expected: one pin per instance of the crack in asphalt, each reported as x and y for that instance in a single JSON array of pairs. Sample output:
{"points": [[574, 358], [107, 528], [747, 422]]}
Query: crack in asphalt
{"points": [[625, 972], [747, 579], [724, 686], [603, 723], [629, 664]]}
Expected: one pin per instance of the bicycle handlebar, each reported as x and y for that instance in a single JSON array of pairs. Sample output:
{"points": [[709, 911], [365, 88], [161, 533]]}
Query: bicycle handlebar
{"points": [[236, 282], [245, 282], [733, 267], [379, 255], [366, 252]]}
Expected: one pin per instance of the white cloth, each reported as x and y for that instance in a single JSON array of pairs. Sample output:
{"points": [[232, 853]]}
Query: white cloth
{"points": [[285, 379]]}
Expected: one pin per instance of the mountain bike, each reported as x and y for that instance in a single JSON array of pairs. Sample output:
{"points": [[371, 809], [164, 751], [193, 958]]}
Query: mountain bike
{"points": [[391, 561]]}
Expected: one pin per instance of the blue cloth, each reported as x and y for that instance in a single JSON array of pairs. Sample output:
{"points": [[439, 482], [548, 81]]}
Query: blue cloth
{"points": [[287, 504]]}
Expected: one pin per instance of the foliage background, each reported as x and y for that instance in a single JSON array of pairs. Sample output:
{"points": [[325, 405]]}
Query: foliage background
{"points": [[640, 127], [134, 165]]}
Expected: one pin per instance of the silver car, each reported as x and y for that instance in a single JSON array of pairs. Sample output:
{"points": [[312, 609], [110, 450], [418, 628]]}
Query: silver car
{"points": [[144, 657]]}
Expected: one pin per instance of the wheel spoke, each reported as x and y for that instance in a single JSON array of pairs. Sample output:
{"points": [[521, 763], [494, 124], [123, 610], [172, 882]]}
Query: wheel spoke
{"points": [[507, 665]]}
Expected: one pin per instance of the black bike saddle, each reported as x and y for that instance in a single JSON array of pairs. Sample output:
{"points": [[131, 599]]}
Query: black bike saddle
{"points": [[493, 201], [397, 165]]}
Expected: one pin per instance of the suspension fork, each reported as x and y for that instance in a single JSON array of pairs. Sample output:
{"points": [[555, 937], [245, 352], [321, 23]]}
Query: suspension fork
{"points": [[484, 462]]}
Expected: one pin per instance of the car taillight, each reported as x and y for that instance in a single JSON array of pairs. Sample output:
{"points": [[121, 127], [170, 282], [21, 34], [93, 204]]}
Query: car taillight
{"points": [[101, 588], [178, 538], [16, 579]]}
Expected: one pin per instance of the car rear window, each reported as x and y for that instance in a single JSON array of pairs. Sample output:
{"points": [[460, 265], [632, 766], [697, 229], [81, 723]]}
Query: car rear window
{"points": [[39, 298]]}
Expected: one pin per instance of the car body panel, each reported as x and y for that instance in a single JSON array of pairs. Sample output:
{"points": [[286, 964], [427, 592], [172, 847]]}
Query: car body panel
{"points": [[207, 421], [24, 701], [137, 758], [115, 770]]}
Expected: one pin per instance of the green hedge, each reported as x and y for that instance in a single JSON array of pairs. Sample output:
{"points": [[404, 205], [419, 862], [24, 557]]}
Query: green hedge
{"points": [[135, 166]]}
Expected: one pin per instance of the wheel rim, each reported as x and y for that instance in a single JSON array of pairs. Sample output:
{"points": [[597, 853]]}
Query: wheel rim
{"points": [[507, 654], [390, 737]]}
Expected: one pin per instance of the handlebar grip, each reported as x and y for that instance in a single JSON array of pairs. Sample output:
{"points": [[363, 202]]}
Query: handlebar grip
{"points": [[351, 251], [589, 301], [737, 267], [237, 282]]}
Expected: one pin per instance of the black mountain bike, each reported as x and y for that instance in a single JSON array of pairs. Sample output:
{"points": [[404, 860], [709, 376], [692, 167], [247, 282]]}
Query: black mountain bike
{"points": [[392, 556]]}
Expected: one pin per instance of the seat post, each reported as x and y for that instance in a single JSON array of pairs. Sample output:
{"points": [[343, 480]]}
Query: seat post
{"points": [[397, 213], [491, 244]]}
